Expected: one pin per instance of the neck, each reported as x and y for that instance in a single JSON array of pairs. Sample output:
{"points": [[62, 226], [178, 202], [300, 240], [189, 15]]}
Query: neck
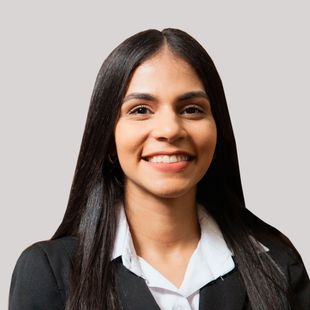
{"points": [[162, 226]]}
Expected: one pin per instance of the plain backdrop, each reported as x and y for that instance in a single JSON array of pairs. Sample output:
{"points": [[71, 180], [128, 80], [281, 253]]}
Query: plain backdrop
{"points": [[51, 52]]}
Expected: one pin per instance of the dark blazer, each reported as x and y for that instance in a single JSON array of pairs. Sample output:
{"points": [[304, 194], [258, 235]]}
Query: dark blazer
{"points": [[41, 278]]}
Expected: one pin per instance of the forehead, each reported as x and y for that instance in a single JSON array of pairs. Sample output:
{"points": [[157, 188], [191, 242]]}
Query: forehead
{"points": [[164, 72]]}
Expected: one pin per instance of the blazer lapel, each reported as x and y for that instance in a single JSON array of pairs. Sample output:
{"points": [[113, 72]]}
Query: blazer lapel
{"points": [[226, 293], [134, 293]]}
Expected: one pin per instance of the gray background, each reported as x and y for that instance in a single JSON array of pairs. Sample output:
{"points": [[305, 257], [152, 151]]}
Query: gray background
{"points": [[50, 54]]}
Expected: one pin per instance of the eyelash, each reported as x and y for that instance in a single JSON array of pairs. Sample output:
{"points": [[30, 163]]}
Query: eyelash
{"points": [[135, 110], [200, 110]]}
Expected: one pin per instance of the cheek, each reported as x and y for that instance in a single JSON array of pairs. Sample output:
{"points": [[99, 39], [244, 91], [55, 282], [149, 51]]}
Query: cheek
{"points": [[207, 138], [128, 140]]}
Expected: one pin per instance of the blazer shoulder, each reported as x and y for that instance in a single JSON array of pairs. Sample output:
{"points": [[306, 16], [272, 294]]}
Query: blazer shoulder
{"points": [[280, 247], [41, 275], [56, 249], [287, 257]]}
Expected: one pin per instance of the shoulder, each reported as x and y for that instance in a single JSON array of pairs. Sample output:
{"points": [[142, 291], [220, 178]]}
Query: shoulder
{"points": [[56, 254], [56, 249], [41, 275], [288, 259], [281, 249]]}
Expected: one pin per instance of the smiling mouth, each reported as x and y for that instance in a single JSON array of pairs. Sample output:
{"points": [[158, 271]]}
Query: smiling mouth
{"points": [[168, 158]]}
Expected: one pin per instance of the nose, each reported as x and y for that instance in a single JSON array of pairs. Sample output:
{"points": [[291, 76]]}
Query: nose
{"points": [[168, 126]]}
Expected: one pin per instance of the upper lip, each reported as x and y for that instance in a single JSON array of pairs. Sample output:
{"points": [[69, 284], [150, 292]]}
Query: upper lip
{"points": [[169, 153]]}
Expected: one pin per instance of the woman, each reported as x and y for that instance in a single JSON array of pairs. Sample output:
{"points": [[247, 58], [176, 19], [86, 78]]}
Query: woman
{"points": [[156, 216]]}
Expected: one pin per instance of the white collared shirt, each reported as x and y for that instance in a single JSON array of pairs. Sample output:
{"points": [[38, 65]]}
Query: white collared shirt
{"points": [[210, 260]]}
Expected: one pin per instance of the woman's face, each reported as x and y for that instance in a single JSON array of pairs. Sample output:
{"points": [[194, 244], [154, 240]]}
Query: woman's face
{"points": [[165, 135]]}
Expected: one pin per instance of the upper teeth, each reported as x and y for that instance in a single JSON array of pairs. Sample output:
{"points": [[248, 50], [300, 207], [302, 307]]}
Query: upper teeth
{"points": [[168, 159]]}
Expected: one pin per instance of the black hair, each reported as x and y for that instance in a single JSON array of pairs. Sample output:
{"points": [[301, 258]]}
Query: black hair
{"points": [[98, 183]]}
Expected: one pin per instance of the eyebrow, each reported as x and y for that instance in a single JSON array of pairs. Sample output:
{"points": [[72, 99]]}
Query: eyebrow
{"points": [[193, 94], [183, 97]]}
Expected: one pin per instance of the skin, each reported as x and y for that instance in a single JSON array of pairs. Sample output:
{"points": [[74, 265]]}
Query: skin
{"points": [[173, 114]]}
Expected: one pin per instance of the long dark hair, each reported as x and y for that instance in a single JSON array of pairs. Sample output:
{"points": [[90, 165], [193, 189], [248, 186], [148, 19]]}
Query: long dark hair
{"points": [[98, 182]]}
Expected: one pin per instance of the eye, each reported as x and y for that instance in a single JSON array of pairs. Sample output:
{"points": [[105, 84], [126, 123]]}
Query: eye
{"points": [[193, 109], [140, 110]]}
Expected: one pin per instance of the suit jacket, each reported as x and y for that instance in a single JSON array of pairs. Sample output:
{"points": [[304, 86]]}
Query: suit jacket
{"points": [[41, 279]]}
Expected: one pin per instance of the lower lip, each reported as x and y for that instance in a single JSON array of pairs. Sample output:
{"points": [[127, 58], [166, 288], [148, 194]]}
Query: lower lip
{"points": [[169, 167]]}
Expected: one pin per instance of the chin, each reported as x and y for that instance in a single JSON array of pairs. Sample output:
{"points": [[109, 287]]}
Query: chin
{"points": [[171, 193]]}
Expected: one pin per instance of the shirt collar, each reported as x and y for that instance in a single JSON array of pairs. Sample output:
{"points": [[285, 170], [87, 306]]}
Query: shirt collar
{"points": [[123, 244], [212, 251]]}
